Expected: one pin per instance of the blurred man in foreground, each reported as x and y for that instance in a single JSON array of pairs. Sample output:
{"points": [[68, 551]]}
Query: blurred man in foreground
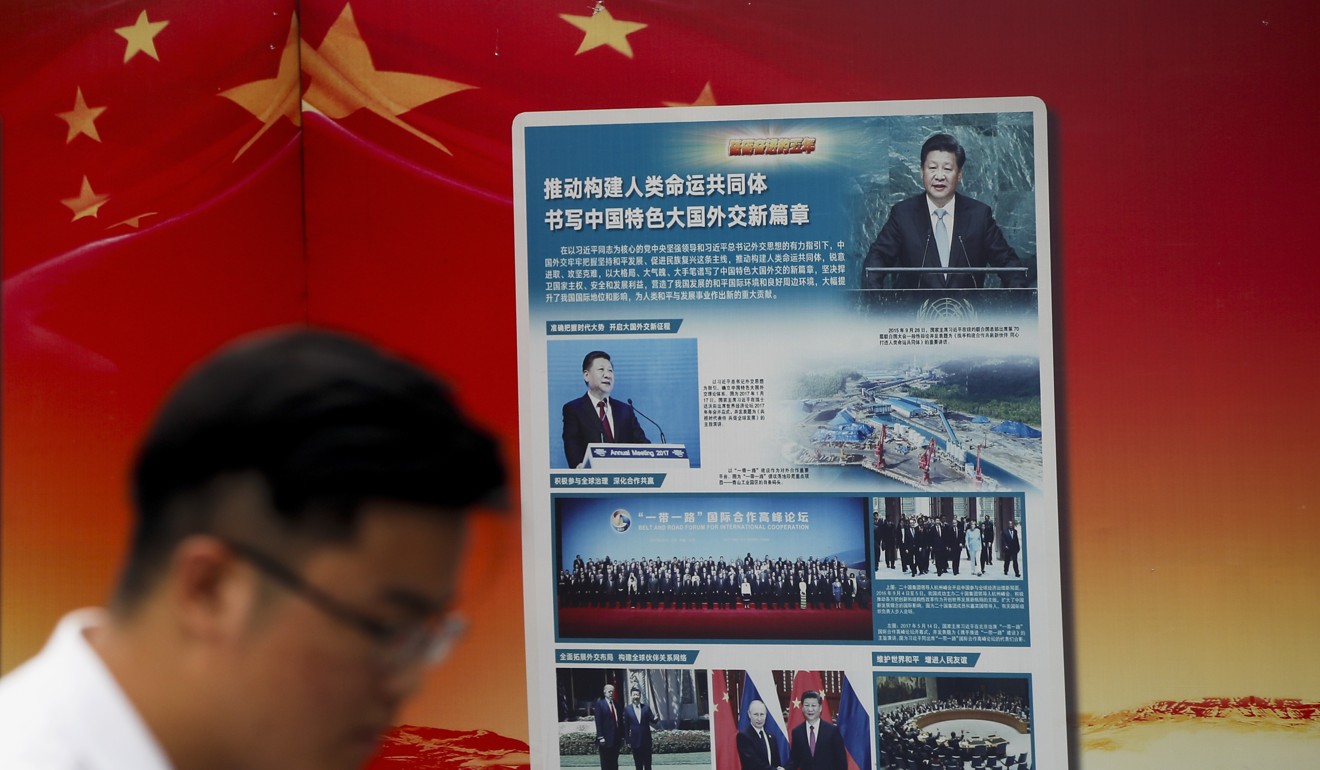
{"points": [[300, 504]]}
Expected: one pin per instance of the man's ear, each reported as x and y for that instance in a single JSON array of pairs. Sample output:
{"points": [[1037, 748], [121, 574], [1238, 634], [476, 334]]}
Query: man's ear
{"points": [[211, 590]]}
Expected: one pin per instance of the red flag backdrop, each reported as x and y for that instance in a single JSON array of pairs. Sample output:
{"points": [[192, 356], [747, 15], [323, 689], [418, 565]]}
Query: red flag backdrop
{"points": [[159, 197]]}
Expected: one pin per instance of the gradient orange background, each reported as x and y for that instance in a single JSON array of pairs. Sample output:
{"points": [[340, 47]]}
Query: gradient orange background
{"points": [[1182, 184]]}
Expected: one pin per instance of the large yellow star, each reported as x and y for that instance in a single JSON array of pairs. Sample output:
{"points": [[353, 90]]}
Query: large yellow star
{"points": [[602, 28], [81, 119], [141, 37], [270, 100], [87, 202], [705, 99], [344, 80]]}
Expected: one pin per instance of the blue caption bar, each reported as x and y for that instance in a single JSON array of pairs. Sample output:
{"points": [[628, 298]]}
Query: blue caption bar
{"points": [[630, 657], [628, 326], [926, 659]]}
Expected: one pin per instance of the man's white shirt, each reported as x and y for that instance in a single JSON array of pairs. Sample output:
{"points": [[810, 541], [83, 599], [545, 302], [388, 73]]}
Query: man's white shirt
{"points": [[63, 710]]}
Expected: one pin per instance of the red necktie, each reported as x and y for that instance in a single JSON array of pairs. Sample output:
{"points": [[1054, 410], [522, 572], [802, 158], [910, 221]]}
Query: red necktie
{"points": [[811, 738], [605, 423]]}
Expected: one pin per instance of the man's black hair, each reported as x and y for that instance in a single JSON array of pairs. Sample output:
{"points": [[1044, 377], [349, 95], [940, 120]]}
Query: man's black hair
{"points": [[813, 694], [592, 356], [326, 421], [943, 143]]}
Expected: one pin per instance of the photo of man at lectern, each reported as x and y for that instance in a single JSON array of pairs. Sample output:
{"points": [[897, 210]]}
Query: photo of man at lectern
{"points": [[940, 238], [596, 417]]}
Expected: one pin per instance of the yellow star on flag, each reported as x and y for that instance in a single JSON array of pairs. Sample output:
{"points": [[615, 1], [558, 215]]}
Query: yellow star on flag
{"points": [[344, 80], [705, 99], [87, 202], [602, 28], [141, 37], [81, 119], [270, 100], [133, 222]]}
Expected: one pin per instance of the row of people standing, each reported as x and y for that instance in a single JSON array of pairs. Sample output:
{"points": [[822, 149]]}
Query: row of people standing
{"points": [[781, 583], [919, 545]]}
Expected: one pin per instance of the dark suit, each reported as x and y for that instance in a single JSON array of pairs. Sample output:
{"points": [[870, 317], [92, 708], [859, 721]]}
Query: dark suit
{"points": [[987, 543], [1008, 549], [950, 544], [609, 734], [908, 240], [582, 427], [751, 750], [637, 720], [830, 754], [908, 539]]}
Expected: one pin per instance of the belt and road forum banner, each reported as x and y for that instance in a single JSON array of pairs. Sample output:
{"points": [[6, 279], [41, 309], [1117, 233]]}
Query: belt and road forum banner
{"points": [[784, 431]]}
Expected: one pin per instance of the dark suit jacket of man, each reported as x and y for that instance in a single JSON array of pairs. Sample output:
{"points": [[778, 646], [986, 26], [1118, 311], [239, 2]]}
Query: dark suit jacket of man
{"points": [[751, 750], [1011, 544], [582, 427], [609, 731], [830, 753], [638, 726], [908, 240]]}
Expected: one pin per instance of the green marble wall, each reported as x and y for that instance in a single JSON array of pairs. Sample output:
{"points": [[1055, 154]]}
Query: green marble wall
{"points": [[999, 172]]}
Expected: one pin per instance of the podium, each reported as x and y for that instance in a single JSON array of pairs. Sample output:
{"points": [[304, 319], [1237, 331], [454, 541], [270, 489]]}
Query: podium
{"points": [[640, 458]]}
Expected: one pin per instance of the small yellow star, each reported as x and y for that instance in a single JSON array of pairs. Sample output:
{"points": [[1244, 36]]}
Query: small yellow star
{"points": [[81, 119], [706, 99], [270, 100], [87, 202], [141, 37], [601, 28], [344, 80]]}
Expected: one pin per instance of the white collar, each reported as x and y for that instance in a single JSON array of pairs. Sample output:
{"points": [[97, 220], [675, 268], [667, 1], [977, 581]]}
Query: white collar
{"points": [[931, 207], [107, 732]]}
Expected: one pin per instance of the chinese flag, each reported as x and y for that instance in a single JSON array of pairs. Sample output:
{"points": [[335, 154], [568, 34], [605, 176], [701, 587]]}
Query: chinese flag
{"points": [[726, 729], [802, 682]]}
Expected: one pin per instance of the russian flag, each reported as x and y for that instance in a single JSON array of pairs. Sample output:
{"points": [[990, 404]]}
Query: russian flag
{"points": [[855, 728]]}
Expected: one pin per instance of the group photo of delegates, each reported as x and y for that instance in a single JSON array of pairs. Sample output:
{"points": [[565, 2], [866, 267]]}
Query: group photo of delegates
{"points": [[741, 596], [656, 566], [947, 537], [954, 723], [610, 717], [713, 583]]}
